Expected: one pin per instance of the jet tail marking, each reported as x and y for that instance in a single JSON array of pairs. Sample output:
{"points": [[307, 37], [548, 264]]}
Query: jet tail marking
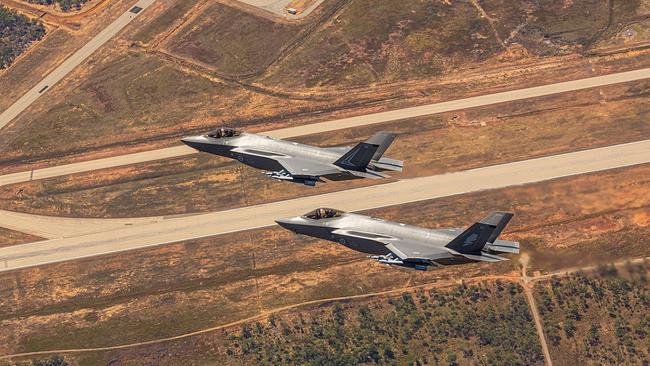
{"points": [[472, 240]]}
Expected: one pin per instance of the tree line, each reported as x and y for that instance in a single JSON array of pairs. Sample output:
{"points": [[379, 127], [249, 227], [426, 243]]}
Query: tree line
{"points": [[65, 5], [16, 33]]}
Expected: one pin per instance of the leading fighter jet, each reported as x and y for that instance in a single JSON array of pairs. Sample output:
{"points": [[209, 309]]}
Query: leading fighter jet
{"points": [[404, 245], [294, 162]]}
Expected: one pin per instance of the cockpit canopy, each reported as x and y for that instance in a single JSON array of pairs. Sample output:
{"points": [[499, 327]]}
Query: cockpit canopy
{"points": [[224, 132], [323, 213]]}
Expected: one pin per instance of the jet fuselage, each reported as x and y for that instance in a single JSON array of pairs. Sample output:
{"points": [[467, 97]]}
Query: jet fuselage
{"points": [[363, 229], [265, 150]]}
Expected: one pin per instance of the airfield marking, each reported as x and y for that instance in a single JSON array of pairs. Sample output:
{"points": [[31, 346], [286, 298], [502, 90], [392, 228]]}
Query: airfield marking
{"points": [[70, 64], [369, 119], [158, 231]]}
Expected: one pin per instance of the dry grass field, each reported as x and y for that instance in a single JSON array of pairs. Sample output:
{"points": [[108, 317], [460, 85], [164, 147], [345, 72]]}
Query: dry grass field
{"points": [[387, 41], [11, 237]]}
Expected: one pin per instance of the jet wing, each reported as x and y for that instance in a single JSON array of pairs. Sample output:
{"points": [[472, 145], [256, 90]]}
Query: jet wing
{"points": [[294, 166], [405, 250], [302, 167], [410, 250]]}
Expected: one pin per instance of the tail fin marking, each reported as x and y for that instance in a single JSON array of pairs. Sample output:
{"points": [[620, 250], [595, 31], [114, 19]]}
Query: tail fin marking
{"points": [[472, 240]]}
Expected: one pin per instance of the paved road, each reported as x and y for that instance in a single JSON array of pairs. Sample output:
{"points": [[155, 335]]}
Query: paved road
{"points": [[321, 127], [70, 64], [210, 224]]}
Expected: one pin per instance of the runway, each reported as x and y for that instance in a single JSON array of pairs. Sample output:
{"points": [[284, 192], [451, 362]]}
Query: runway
{"points": [[168, 230], [72, 62], [344, 123]]}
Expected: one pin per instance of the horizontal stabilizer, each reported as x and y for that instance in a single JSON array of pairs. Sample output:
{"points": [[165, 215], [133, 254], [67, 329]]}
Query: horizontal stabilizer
{"points": [[370, 174], [484, 257], [503, 246], [388, 164]]}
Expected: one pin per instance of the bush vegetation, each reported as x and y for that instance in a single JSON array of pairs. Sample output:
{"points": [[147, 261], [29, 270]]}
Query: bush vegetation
{"points": [[469, 325], [601, 320], [16, 33], [65, 5], [55, 360]]}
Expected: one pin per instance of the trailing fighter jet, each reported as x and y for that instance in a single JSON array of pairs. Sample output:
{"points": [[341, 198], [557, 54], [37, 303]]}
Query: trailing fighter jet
{"points": [[294, 162], [404, 245]]}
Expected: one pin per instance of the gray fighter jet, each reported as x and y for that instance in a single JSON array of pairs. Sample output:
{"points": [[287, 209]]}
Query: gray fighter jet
{"points": [[294, 162], [404, 245]]}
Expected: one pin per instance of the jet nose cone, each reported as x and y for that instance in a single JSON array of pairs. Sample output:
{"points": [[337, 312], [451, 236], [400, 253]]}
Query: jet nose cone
{"points": [[195, 142], [289, 223]]}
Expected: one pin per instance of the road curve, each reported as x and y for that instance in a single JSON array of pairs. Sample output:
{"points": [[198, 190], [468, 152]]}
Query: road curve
{"points": [[364, 120], [71, 63], [51, 227], [251, 217]]}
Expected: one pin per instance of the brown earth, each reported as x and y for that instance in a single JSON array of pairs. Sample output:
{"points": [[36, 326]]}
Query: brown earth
{"points": [[138, 295], [10, 237], [235, 42], [300, 5], [429, 145]]}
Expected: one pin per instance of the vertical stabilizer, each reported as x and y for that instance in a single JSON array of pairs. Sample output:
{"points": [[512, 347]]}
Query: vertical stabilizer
{"points": [[472, 240], [383, 139], [358, 157]]}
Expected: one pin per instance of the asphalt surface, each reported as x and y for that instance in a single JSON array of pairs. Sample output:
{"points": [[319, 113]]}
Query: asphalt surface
{"points": [[169, 230], [332, 125], [71, 63]]}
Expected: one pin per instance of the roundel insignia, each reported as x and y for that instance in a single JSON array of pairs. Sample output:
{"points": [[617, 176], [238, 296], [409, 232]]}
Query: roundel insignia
{"points": [[470, 240]]}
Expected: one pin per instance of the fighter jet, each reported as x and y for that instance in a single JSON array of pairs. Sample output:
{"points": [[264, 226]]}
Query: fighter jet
{"points": [[403, 245], [294, 162]]}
